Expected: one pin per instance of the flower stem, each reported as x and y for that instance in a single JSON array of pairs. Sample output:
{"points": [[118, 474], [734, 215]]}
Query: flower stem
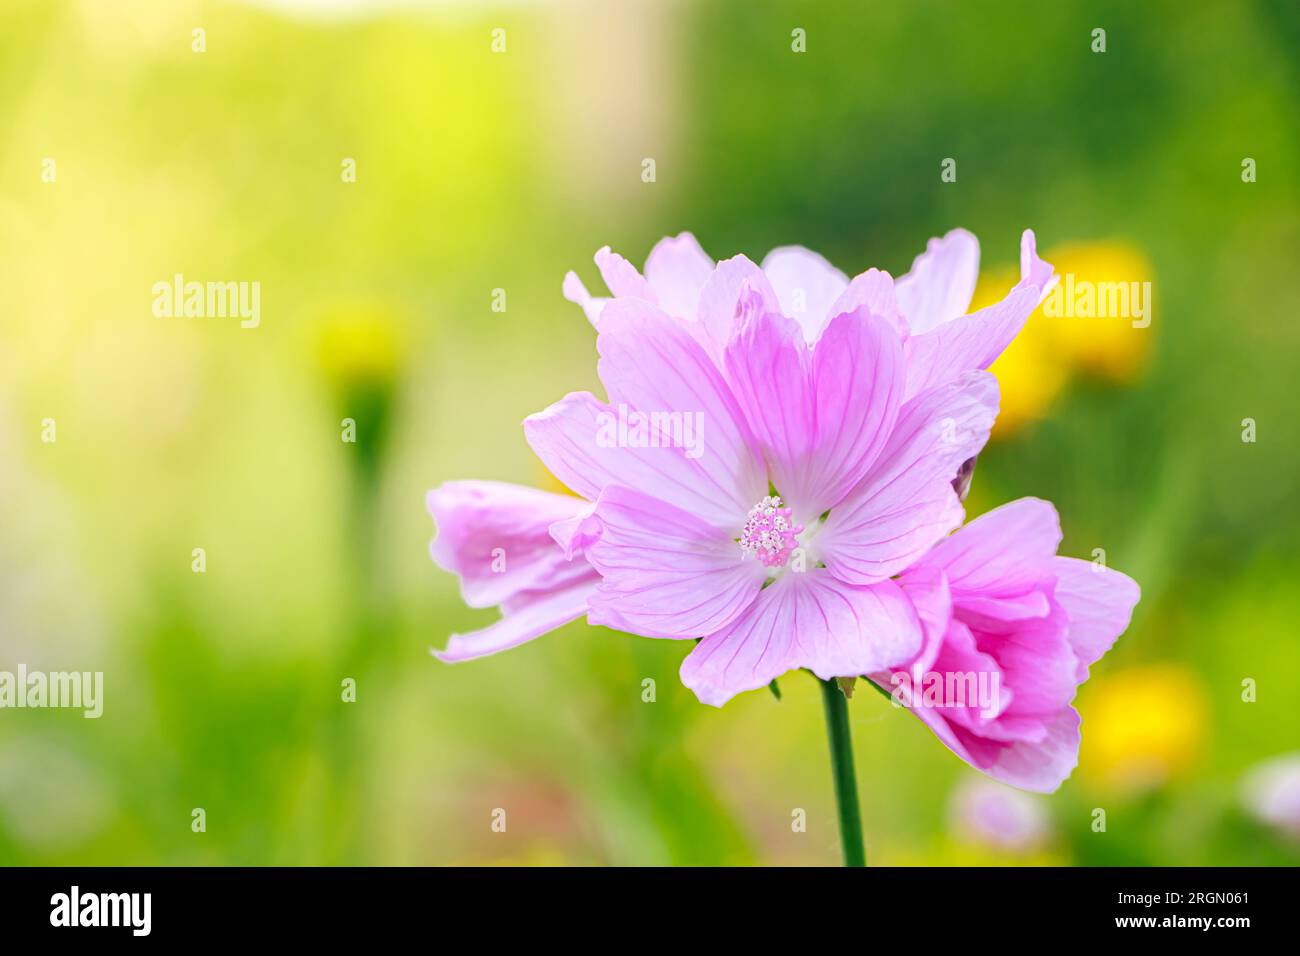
{"points": [[846, 785]]}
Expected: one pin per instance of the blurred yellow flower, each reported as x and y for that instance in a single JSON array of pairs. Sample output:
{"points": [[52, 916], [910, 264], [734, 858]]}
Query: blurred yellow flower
{"points": [[1096, 322], [1142, 727]]}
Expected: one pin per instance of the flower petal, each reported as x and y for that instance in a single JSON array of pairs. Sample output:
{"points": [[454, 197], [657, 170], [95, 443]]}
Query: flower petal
{"points": [[531, 616], [1006, 552], [577, 293], [578, 440], [1040, 765], [806, 285], [805, 620], [873, 290], [621, 276], [665, 572], [495, 536], [939, 287], [720, 300], [1099, 602], [821, 415], [974, 341], [906, 502], [677, 270], [654, 366]]}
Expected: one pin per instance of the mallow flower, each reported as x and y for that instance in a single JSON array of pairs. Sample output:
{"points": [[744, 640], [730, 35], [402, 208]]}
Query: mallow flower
{"points": [[496, 536], [1011, 630], [831, 422]]}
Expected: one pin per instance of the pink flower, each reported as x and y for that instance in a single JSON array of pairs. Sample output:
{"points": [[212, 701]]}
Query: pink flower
{"points": [[830, 418], [1011, 630], [1271, 793], [986, 812]]}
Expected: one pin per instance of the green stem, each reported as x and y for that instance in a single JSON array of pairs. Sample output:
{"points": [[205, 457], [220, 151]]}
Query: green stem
{"points": [[846, 785]]}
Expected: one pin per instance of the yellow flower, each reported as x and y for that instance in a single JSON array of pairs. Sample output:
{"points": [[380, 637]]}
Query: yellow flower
{"points": [[1096, 322], [358, 346], [1142, 727]]}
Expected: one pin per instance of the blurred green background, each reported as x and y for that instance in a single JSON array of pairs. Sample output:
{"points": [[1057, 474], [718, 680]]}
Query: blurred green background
{"points": [[479, 171]]}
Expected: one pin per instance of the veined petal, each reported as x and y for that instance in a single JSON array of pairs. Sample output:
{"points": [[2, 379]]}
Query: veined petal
{"points": [[806, 285], [974, 341], [805, 620], [906, 503], [941, 282], [531, 616], [654, 366], [821, 415], [665, 572], [578, 439]]}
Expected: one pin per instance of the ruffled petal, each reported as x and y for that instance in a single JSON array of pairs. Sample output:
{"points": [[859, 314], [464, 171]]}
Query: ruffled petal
{"points": [[1099, 602], [495, 536]]}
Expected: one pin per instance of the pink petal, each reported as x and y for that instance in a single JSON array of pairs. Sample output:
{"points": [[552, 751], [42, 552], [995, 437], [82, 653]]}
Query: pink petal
{"points": [[1099, 602], [577, 293], [973, 342], [1037, 662], [1040, 763], [577, 440], [927, 589], [1006, 552], [942, 280], [533, 615], [721, 296], [666, 573], [906, 502], [805, 620], [677, 270], [821, 415], [495, 537], [806, 285], [874, 291], [653, 365], [621, 276]]}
